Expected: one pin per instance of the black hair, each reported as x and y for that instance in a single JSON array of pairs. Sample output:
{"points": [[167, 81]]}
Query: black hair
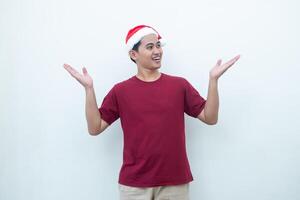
{"points": [[136, 48]]}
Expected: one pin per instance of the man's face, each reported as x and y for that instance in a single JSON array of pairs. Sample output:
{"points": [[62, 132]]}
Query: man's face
{"points": [[149, 53]]}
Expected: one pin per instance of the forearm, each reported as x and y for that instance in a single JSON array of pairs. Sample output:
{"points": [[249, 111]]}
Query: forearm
{"points": [[93, 116], [211, 108]]}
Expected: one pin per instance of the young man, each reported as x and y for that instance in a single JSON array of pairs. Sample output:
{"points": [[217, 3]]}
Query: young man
{"points": [[151, 107]]}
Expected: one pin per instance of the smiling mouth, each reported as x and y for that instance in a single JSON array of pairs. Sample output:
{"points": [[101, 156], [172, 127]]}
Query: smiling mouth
{"points": [[157, 59]]}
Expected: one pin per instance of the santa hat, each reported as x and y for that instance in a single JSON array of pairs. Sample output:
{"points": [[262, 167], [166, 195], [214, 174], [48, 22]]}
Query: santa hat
{"points": [[135, 34]]}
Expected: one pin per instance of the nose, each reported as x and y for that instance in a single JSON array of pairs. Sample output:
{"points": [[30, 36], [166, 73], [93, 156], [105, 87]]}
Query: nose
{"points": [[156, 50]]}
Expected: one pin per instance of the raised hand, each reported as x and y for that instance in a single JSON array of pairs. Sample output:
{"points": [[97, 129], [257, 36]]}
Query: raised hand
{"points": [[85, 80], [220, 68]]}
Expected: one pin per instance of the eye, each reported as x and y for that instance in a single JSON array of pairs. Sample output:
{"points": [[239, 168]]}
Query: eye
{"points": [[158, 45], [149, 47]]}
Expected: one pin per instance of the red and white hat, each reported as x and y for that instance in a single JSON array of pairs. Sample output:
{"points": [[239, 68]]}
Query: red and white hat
{"points": [[135, 34]]}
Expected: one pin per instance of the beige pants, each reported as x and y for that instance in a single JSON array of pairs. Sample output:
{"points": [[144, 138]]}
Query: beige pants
{"points": [[170, 192]]}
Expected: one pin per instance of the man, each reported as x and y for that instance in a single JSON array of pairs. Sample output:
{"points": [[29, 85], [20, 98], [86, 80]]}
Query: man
{"points": [[151, 107]]}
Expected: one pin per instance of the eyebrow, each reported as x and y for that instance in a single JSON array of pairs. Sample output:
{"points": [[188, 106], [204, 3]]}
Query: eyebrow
{"points": [[151, 43]]}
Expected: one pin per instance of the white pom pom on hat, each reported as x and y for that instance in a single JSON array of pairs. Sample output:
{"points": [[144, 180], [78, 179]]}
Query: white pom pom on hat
{"points": [[135, 34]]}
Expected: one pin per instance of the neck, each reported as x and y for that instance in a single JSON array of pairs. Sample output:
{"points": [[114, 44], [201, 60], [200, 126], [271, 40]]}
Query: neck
{"points": [[148, 75]]}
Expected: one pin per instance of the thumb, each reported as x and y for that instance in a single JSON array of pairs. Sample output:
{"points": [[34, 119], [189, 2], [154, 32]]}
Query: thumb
{"points": [[84, 71]]}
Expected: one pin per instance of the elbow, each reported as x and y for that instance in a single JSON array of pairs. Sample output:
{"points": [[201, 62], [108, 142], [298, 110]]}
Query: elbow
{"points": [[212, 122], [94, 132], [94, 129]]}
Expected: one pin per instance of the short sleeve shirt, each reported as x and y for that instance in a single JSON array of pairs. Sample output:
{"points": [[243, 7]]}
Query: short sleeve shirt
{"points": [[152, 120]]}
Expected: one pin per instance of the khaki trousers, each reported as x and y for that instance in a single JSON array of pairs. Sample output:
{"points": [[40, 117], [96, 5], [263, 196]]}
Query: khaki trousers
{"points": [[170, 192]]}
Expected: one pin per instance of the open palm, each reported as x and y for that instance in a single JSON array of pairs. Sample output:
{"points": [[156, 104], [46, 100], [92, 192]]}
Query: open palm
{"points": [[84, 79], [220, 68]]}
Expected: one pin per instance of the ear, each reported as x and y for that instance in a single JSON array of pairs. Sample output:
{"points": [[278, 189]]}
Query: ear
{"points": [[133, 54]]}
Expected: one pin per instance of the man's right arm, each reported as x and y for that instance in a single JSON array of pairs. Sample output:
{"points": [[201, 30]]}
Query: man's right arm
{"points": [[96, 125]]}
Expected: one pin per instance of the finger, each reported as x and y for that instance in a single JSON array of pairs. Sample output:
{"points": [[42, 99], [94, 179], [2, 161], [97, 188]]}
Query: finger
{"points": [[219, 62], [73, 73], [66, 66], [232, 61], [84, 71], [70, 69], [235, 58]]}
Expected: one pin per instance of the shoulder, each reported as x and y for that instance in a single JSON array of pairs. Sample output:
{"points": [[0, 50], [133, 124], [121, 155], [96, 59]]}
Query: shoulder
{"points": [[173, 77], [122, 84], [176, 79]]}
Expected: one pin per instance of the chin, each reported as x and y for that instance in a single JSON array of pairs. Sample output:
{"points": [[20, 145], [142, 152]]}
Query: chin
{"points": [[157, 65]]}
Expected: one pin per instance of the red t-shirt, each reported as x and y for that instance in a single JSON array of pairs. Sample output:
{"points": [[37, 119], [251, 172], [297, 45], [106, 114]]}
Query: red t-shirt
{"points": [[152, 119]]}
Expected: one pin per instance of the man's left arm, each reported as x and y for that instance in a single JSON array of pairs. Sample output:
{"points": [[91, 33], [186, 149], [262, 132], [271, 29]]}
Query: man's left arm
{"points": [[209, 114]]}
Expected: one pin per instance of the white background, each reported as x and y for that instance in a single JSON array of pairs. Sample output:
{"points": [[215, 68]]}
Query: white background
{"points": [[46, 152]]}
